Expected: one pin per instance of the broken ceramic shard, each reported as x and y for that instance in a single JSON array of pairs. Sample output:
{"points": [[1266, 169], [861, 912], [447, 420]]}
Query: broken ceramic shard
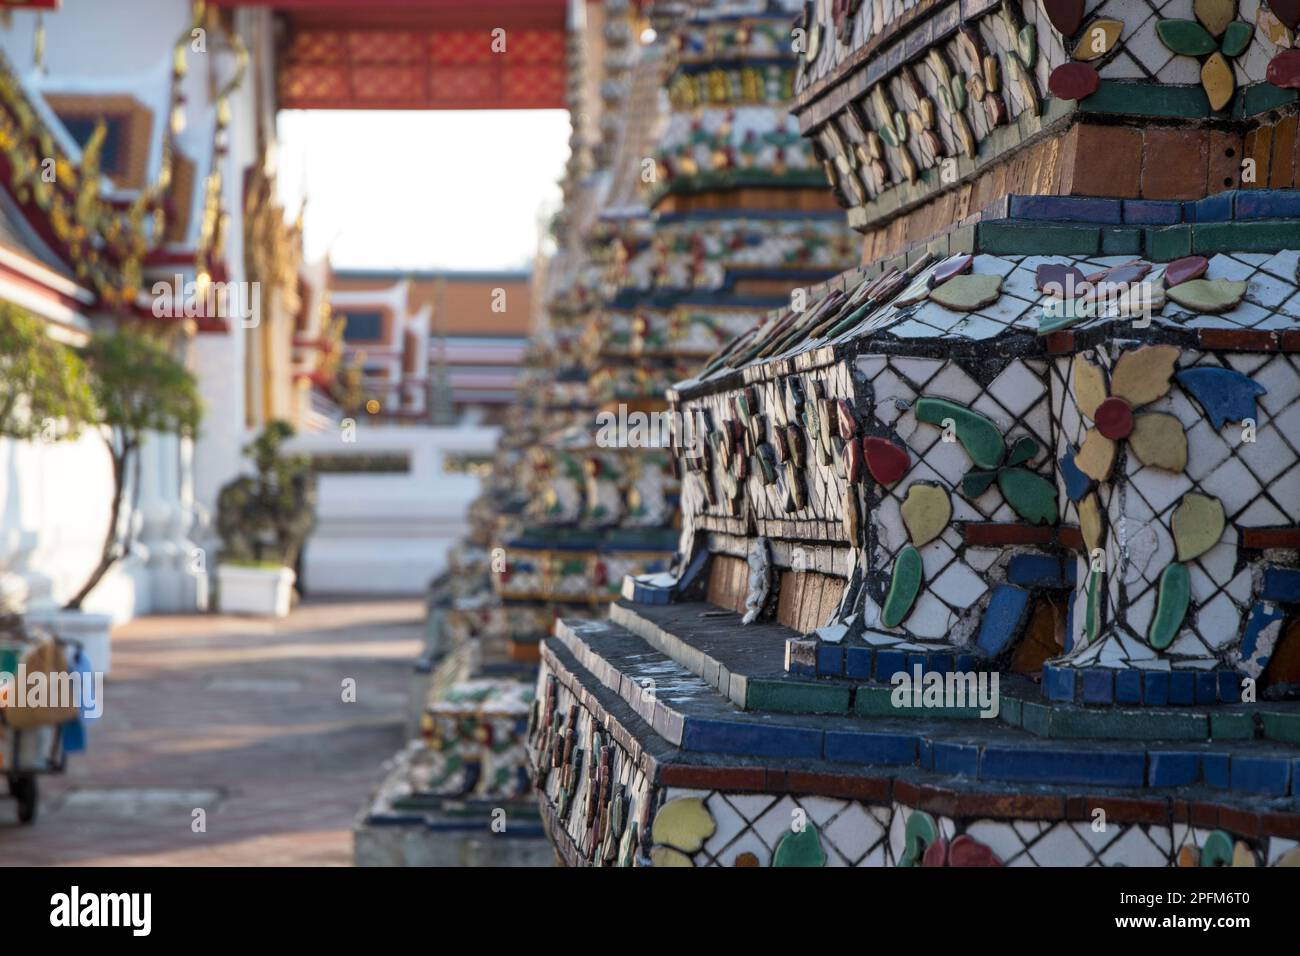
{"points": [[760, 580]]}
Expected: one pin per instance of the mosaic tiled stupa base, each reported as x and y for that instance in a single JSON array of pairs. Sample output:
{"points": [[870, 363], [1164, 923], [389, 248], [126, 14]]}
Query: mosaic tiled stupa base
{"points": [[459, 795], [1048, 436]]}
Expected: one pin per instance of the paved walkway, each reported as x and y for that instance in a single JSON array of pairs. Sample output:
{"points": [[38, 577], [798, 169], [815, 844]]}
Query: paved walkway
{"points": [[243, 717]]}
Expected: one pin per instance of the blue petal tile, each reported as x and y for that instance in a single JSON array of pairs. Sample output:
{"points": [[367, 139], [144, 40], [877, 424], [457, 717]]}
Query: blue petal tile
{"points": [[1224, 393], [1077, 484], [1002, 618]]}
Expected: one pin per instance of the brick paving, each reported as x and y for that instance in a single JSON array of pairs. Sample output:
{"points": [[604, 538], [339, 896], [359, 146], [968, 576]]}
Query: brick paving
{"points": [[241, 715]]}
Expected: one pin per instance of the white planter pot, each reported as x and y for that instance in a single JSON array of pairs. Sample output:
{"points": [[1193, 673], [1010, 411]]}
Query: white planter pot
{"points": [[262, 591], [90, 630]]}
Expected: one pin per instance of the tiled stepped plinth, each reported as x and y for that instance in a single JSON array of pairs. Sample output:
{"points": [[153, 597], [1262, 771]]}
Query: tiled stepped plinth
{"points": [[406, 827], [602, 810], [1021, 741]]}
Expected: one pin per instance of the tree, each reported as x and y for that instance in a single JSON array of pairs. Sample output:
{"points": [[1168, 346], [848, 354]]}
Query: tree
{"points": [[267, 517], [139, 387], [44, 388]]}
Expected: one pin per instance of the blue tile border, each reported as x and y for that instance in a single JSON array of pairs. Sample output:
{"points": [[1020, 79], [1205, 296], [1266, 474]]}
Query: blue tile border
{"points": [[1133, 687], [1231, 205], [880, 664], [697, 722]]}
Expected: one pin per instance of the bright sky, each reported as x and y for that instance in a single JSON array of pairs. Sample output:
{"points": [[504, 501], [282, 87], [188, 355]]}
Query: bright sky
{"points": [[423, 190]]}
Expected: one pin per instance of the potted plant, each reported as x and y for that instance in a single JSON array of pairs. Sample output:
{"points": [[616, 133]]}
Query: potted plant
{"points": [[263, 520], [137, 386]]}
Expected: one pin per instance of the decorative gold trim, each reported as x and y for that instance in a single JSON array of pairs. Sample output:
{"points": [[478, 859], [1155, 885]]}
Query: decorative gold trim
{"points": [[132, 164]]}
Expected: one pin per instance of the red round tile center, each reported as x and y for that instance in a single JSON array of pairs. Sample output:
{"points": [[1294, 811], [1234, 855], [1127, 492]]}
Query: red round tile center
{"points": [[1114, 418]]}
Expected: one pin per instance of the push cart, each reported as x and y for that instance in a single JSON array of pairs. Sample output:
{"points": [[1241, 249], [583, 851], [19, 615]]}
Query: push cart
{"points": [[21, 776], [28, 752]]}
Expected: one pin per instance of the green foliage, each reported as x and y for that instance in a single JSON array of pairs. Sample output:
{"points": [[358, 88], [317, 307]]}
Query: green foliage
{"points": [[139, 386], [266, 517], [44, 391]]}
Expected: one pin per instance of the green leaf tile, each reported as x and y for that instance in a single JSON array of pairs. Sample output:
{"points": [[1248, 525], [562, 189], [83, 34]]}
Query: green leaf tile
{"points": [[979, 436], [903, 587], [800, 848], [975, 483], [1171, 606], [1236, 38], [1022, 451], [1032, 496], [1186, 37], [919, 833]]}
